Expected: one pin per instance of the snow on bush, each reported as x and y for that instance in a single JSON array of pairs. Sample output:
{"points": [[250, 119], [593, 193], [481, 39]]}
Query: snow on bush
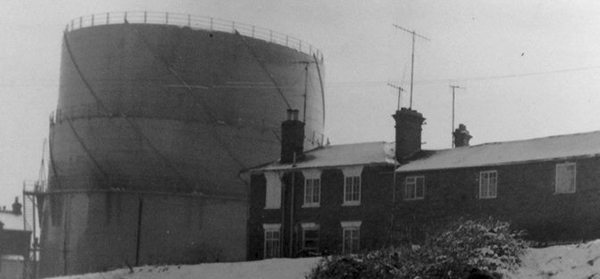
{"points": [[457, 248]]}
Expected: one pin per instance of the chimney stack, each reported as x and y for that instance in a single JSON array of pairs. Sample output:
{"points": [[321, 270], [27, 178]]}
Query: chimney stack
{"points": [[461, 136], [292, 137], [408, 132], [16, 207]]}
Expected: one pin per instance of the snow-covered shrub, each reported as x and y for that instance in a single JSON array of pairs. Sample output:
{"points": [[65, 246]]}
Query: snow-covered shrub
{"points": [[487, 245], [449, 253]]}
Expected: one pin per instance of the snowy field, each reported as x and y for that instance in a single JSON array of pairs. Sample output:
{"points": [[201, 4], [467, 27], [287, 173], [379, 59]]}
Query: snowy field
{"points": [[580, 261]]}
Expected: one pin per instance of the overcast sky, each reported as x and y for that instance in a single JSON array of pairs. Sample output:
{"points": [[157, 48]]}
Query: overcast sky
{"points": [[530, 68]]}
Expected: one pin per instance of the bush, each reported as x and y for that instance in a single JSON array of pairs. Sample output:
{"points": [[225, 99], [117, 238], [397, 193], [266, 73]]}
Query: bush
{"points": [[462, 245]]}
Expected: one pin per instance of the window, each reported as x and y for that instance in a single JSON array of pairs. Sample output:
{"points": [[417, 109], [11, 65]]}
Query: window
{"points": [[565, 178], [351, 237], [352, 185], [414, 188], [310, 237], [488, 183], [312, 188], [273, 191], [272, 240]]}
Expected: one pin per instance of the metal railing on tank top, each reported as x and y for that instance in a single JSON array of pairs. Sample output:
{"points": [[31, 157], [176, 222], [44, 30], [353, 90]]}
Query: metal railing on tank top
{"points": [[193, 22]]}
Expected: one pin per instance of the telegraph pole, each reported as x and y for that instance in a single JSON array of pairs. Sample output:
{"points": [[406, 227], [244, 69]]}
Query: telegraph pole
{"points": [[454, 87], [412, 61], [400, 89]]}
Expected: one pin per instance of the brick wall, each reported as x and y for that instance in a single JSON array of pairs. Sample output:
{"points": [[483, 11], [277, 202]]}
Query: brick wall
{"points": [[525, 196], [373, 211]]}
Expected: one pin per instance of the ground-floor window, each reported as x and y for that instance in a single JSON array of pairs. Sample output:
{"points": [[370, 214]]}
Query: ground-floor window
{"points": [[272, 240], [351, 237], [310, 237]]}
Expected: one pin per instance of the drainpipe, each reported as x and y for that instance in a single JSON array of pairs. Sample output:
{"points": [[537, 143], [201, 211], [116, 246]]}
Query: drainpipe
{"points": [[292, 207]]}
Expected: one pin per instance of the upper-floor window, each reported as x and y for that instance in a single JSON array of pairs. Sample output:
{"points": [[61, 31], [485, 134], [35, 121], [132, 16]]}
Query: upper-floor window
{"points": [[310, 237], [414, 188], [488, 184], [312, 188], [566, 178], [272, 246], [352, 185], [351, 237], [273, 190]]}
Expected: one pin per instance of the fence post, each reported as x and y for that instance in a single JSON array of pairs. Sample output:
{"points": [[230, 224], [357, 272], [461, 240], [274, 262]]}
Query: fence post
{"points": [[167, 18], [271, 36], [189, 20], [125, 17], [253, 31], [107, 18], [80, 22], [233, 26], [92, 20], [145, 17], [286, 40], [211, 24]]}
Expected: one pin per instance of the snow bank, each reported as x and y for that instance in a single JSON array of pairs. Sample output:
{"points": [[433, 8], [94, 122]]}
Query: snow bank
{"points": [[266, 269], [562, 262], [580, 261]]}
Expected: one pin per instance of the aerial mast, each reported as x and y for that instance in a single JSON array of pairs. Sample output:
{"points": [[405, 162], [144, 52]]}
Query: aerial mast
{"points": [[412, 62], [400, 89], [454, 87]]}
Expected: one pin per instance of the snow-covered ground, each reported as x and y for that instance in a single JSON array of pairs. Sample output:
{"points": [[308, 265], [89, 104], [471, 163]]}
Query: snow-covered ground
{"points": [[580, 261]]}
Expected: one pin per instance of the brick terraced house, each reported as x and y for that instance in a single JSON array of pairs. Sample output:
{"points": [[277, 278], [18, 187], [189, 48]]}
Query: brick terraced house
{"points": [[548, 186], [334, 199], [346, 198]]}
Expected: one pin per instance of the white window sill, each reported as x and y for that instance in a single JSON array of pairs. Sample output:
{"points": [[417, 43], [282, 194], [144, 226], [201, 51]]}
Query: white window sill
{"points": [[267, 208], [310, 205], [352, 203]]}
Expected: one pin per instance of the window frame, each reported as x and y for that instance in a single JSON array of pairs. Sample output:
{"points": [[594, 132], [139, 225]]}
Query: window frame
{"points": [[312, 188], [268, 237], [306, 227], [354, 239], [558, 174], [352, 190], [486, 176], [414, 186]]}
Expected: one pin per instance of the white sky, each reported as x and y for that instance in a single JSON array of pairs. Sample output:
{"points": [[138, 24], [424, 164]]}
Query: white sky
{"points": [[530, 68]]}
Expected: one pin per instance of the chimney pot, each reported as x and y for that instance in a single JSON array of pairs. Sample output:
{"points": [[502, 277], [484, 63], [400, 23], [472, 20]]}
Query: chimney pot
{"points": [[461, 136], [16, 207]]}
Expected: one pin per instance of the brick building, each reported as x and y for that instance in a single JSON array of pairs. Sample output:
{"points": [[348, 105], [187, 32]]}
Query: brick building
{"points": [[548, 186], [14, 242], [341, 199], [333, 199]]}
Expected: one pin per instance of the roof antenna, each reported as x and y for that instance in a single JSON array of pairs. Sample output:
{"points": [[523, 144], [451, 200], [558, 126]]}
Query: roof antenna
{"points": [[454, 87], [412, 63], [400, 89]]}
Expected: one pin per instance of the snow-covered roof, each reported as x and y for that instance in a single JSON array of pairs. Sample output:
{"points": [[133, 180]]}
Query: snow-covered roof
{"points": [[502, 153], [355, 154], [11, 221]]}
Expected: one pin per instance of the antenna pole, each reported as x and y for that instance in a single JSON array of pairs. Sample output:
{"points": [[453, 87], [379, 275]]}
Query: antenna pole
{"points": [[412, 63], [454, 87], [412, 68], [400, 89]]}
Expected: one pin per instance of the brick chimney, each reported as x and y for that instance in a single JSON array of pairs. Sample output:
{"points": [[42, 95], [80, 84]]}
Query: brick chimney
{"points": [[408, 132], [16, 207], [292, 137], [461, 136]]}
